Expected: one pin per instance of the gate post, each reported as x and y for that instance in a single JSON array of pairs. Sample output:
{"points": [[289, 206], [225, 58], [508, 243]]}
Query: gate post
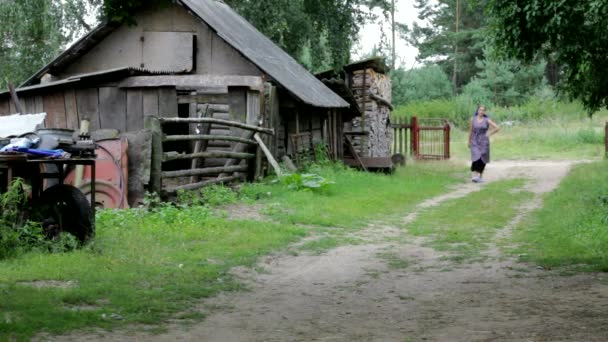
{"points": [[606, 139], [446, 141], [415, 138]]}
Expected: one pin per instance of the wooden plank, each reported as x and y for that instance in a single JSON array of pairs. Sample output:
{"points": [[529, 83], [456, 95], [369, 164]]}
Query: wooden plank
{"points": [[16, 101], [113, 108], [151, 123], [194, 81], [71, 110], [87, 101], [207, 137], [150, 99], [196, 186], [54, 106], [269, 157], [12, 108], [167, 102], [210, 154], [29, 104], [38, 105], [135, 110], [204, 98], [204, 172], [229, 123], [4, 107]]}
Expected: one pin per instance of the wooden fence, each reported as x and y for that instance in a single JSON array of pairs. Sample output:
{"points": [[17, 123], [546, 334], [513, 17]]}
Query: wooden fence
{"points": [[422, 138]]}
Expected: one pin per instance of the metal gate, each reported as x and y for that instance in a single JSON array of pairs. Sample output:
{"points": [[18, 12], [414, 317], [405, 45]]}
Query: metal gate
{"points": [[428, 138]]}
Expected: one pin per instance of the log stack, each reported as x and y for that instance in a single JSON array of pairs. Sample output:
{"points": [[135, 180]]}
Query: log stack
{"points": [[373, 93]]}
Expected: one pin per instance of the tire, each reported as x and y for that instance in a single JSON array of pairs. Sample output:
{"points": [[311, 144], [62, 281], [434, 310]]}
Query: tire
{"points": [[66, 209]]}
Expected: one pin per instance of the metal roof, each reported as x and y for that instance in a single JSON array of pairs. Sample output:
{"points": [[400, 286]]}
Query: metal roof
{"points": [[265, 54], [239, 34]]}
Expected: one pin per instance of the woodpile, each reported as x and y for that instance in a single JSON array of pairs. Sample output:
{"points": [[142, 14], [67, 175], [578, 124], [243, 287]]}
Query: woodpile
{"points": [[373, 93]]}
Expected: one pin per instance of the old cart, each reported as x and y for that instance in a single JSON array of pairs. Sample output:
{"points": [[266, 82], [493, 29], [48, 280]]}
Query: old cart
{"points": [[60, 207]]}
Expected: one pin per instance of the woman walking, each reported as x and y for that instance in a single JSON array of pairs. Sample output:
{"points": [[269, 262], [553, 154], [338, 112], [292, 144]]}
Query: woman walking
{"points": [[480, 130]]}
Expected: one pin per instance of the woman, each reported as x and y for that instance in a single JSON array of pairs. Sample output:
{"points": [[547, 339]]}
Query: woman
{"points": [[480, 130]]}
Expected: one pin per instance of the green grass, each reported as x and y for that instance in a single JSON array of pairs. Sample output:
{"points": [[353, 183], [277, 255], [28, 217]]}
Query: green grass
{"points": [[572, 227], [143, 268], [465, 226], [148, 266], [357, 197]]}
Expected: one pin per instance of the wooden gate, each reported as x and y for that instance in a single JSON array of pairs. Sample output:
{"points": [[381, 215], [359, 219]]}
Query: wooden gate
{"points": [[424, 138]]}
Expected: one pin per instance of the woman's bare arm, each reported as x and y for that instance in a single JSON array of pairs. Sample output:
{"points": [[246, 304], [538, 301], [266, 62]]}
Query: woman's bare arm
{"points": [[470, 133], [493, 128]]}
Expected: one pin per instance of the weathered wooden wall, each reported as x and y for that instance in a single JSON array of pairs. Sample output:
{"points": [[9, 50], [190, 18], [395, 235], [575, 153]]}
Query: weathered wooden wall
{"points": [[144, 46], [105, 107]]}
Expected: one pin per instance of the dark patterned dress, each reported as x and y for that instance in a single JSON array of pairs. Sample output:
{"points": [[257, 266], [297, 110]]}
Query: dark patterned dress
{"points": [[480, 144]]}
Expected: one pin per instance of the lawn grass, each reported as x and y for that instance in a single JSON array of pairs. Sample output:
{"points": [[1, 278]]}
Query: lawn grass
{"points": [[357, 196], [464, 226], [572, 227], [549, 138], [148, 266], [142, 268]]}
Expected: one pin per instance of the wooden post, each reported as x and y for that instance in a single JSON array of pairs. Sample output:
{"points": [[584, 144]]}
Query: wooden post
{"points": [[15, 98], [446, 140], [415, 137], [152, 123], [606, 135], [401, 137], [269, 156]]}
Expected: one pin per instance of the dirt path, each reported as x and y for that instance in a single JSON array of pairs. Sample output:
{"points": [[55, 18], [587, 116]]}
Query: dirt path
{"points": [[351, 294]]}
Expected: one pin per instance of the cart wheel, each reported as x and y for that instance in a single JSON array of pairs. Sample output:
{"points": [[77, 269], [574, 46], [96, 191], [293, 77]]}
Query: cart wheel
{"points": [[64, 208]]}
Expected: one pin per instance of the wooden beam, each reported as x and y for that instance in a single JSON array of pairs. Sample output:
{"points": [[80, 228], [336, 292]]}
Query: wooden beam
{"points": [[199, 185], [230, 123], [204, 171], [207, 137], [169, 156], [194, 81], [15, 98], [271, 160]]}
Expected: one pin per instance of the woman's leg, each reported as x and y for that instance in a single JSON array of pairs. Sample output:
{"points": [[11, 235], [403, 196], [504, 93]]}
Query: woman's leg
{"points": [[477, 168]]}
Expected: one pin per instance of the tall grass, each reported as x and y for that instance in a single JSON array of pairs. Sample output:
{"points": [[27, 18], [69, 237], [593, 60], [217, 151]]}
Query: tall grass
{"points": [[572, 226]]}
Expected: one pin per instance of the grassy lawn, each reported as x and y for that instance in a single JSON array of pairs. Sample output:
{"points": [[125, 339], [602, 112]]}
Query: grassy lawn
{"points": [[572, 227], [149, 266], [356, 197], [464, 226], [551, 138]]}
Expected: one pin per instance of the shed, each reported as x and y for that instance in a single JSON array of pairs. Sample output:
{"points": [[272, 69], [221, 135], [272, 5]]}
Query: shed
{"points": [[367, 87], [192, 59]]}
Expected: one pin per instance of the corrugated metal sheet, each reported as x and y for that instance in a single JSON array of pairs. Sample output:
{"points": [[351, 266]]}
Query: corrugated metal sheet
{"points": [[266, 55]]}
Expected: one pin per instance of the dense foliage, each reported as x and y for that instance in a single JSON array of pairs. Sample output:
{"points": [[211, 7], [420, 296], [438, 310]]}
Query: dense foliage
{"points": [[33, 32], [426, 83], [572, 32]]}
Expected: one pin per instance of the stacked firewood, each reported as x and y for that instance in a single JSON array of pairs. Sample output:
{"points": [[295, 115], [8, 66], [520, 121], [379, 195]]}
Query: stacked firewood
{"points": [[372, 92]]}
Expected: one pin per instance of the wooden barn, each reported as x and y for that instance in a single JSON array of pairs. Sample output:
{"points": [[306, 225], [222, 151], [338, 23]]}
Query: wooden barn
{"points": [[191, 71]]}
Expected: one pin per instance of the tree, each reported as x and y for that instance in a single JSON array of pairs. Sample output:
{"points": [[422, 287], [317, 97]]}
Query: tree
{"points": [[454, 37], [426, 83], [507, 82], [572, 32], [33, 32]]}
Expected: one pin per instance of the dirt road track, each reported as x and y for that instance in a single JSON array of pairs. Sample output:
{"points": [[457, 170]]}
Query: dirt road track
{"points": [[350, 294]]}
